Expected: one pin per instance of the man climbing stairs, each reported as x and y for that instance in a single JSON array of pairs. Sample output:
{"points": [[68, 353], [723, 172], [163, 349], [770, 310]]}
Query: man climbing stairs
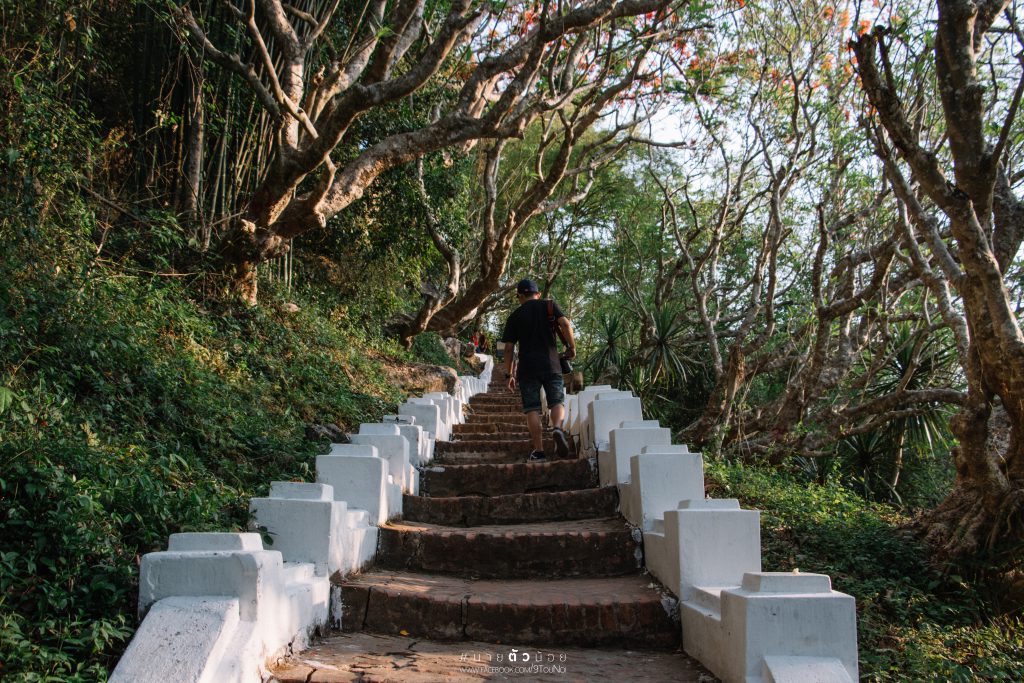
{"points": [[523, 556]]}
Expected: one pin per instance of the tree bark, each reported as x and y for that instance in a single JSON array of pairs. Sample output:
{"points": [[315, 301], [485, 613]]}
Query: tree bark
{"points": [[985, 505], [191, 189]]}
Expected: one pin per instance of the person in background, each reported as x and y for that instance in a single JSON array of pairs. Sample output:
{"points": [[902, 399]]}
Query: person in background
{"points": [[539, 364]]}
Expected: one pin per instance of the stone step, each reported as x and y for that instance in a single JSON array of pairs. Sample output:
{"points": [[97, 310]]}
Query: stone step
{"points": [[517, 419], [373, 658], [510, 450], [512, 509], [497, 480], [497, 435], [506, 402], [625, 611], [563, 549], [491, 458], [491, 428], [510, 401], [486, 408], [495, 399], [494, 444]]}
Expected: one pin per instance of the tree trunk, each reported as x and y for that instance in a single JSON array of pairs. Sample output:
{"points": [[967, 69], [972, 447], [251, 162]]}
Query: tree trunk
{"points": [[241, 253], [191, 188], [985, 505]]}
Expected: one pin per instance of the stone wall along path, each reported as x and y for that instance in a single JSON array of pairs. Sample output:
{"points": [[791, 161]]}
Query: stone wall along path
{"points": [[497, 558]]}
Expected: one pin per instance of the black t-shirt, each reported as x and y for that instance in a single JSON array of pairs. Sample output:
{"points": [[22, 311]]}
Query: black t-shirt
{"points": [[529, 327]]}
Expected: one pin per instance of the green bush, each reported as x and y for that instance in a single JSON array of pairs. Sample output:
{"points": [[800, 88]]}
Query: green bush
{"points": [[429, 348], [129, 411]]}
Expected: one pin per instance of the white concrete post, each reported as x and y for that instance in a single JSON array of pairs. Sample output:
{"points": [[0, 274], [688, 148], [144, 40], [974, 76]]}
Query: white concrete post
{"points": [[613, 463], [659, 480], [640, 424], [227, 564], [441, 423], [450, 405], [358, 477], [427, 414], [223, 604], [580, 421], [608, 413], [391, 446], [789, 622], [718, 543], [203, 628], [304, 522], [418, 437]]}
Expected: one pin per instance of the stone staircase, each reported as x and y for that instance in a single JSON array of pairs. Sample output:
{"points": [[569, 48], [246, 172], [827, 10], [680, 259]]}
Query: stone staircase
{"points": [[505, 552], [500, 570]]}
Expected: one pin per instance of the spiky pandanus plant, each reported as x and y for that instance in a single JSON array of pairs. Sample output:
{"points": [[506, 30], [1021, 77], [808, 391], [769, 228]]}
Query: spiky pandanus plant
{"points": [[916, 359]]}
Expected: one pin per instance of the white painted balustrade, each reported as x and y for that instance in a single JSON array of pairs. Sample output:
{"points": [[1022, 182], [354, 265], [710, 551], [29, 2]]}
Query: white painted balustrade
{"points": [[745, 625], [218, 607]]}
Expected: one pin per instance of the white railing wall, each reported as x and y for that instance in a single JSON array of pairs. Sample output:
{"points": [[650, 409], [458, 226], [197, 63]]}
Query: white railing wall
{"points": [[221, 607], [745, 625]]}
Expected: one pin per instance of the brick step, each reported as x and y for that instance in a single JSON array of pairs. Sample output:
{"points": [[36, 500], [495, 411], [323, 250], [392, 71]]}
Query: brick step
{"points": [[492, 428], [509, 403], [518, 419], [511, 446], [497, 435], [624, 611], [495, 399], [563, 549], [498, 480], [372, 658], [491, 458], [493, 409], [512, 509]]}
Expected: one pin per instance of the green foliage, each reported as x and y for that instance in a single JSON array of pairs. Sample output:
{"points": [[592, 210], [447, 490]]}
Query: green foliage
{"points": [[663, 355], [132, 406], [914, 622], [139, 414], [429, 348], [607, 351], [906, 461]]}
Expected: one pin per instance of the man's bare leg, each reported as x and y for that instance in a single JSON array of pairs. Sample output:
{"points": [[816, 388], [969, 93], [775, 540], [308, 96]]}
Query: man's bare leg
{"points": [[533, 421], [563, 449], [536, 434], [557, 415]]}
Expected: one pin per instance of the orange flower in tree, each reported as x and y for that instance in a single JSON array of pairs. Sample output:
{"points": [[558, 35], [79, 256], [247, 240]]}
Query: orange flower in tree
{"points": [[844, 19], [828, 12], [863, 27]]}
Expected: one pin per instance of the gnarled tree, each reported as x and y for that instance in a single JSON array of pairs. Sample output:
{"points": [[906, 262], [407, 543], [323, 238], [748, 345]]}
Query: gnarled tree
{"points": [[957, 184], [562, 152], [317, 71]]}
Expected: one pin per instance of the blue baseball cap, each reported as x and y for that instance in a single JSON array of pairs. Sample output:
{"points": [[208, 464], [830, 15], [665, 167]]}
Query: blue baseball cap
{"points": [[527, 287]]}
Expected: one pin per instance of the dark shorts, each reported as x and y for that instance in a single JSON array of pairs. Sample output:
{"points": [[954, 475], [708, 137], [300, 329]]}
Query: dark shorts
{"points": [[529, 389]]}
